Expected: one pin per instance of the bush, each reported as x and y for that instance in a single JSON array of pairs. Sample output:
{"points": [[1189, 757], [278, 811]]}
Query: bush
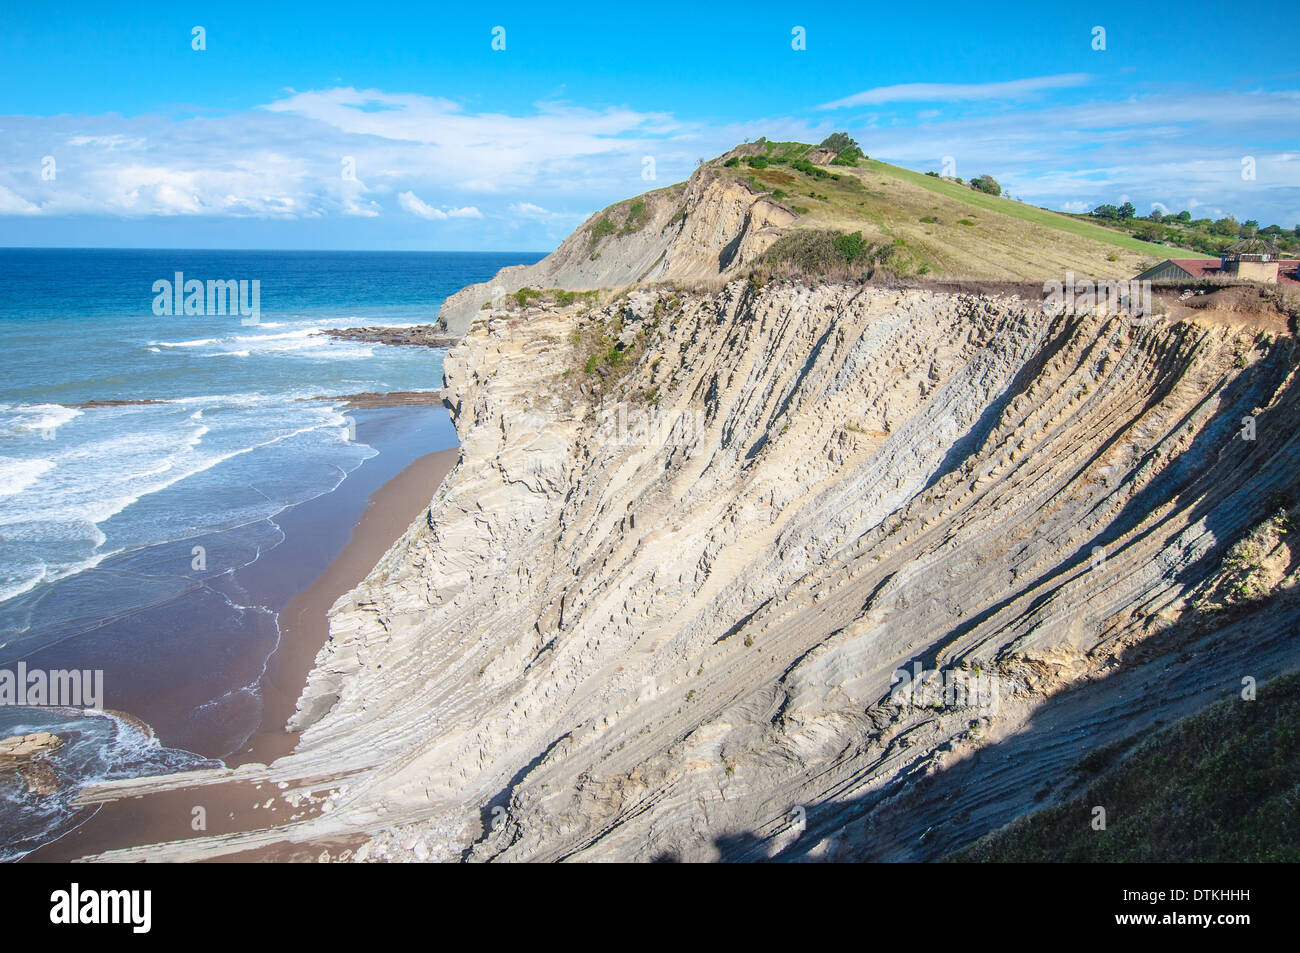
{"points": [[807, 168], [757, 162], [986, 183], [1148, 232], [851, 246], [824, 254]]}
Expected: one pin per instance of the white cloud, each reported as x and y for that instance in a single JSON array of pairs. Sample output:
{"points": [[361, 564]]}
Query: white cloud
{"points": [[529, 210], [429, 158], [413, 204], [1165, 147], [955, 92], [107, 142], [417, 206], [11, 204]]}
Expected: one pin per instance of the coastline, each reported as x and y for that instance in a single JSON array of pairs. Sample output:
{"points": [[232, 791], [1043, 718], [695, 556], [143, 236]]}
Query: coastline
{"points": [[304, 622], [394, 487]]}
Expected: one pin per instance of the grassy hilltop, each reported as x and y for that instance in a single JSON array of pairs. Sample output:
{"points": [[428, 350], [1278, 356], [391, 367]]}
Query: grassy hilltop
{"points": [[932, 226]]}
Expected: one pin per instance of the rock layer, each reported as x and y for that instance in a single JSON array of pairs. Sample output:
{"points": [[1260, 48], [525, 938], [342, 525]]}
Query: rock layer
{"points": [[677, 638]]}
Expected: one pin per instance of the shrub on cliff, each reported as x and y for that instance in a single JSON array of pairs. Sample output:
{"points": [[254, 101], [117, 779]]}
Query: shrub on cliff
{"points": [[816, 253], [807, 168], [637, 215], [851, 246], [986, 183]]}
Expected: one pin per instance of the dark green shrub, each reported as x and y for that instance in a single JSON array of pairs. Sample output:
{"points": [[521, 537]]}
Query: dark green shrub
{"points": [[851, 246]]}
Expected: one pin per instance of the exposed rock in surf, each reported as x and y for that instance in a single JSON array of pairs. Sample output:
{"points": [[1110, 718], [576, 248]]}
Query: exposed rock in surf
{"points": [[25, 754]]}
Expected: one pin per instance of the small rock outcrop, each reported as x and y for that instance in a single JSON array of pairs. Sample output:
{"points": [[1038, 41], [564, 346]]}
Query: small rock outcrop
{"points": [[25, 754], [422, 335]]}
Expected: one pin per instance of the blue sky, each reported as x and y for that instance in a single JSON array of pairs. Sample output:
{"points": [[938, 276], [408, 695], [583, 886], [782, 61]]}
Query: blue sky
{"points": [[115, 131]]}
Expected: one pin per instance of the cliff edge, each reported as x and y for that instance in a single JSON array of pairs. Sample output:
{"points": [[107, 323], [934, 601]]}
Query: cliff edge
{"points": [[660, 608]]}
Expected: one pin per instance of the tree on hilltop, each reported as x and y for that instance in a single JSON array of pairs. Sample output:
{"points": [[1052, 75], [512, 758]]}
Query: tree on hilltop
{"points": [[846, 149]]}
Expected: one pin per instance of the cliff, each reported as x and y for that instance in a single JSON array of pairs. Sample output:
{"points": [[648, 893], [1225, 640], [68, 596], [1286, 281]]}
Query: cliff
{"points": [[708, 228], [658, 609]]}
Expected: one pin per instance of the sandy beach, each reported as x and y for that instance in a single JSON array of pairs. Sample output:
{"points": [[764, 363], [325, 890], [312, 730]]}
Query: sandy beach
{"points": [[358, 522]]}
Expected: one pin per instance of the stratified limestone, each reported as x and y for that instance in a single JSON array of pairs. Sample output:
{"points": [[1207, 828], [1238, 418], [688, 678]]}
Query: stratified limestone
{"points": [[598, 646]]}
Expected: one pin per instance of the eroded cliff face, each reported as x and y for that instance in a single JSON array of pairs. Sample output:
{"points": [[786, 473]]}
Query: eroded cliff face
{"points": [[658, 608], [676, 637], [705, 229]]}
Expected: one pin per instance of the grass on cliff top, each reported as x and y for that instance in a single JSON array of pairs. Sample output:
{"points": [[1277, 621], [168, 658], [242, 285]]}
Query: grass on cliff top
{"points": [[558, 296], [1030, 213], [1222, 785], [944, 229]]}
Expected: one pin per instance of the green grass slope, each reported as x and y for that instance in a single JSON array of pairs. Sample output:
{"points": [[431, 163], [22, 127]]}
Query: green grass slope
{"points": [[1031, 213], [936, 228]]}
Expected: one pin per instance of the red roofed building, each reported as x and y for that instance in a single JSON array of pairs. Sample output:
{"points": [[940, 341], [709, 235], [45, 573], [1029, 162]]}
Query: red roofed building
{"points": [[1253, 259]]}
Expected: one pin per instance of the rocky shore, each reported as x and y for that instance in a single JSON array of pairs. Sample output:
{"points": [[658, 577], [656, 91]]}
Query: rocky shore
{"points": [[424, 335], [26, 755]]}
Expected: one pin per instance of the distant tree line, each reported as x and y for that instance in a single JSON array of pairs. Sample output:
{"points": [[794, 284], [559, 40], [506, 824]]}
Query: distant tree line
{"points": [[1210, 236]]}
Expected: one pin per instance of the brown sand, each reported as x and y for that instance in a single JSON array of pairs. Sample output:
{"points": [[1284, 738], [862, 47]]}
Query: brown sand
{"points": [[304, 628], [304, 623]]}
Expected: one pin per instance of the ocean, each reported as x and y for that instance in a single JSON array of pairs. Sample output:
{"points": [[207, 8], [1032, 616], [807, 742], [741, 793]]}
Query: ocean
{"points": [[148, 457]]}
